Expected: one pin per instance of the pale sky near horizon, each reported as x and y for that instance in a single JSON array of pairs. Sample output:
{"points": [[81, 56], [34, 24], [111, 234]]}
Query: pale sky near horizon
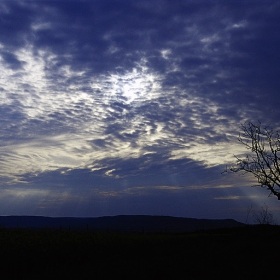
{"points": [[133, 107]]}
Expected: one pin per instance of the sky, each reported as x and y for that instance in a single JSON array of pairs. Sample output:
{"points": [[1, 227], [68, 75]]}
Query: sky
{"points": [[134, 107]]}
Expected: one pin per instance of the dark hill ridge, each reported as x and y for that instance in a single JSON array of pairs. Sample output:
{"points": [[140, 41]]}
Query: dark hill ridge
{"points": [[119, 223]]}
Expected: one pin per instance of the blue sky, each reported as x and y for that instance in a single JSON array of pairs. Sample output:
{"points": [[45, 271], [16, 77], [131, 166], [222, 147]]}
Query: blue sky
{"points": [[133, 107]]}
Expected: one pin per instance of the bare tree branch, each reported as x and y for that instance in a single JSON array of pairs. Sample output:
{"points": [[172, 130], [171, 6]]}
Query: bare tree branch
{"points": [[263, 161], [264, 216]]}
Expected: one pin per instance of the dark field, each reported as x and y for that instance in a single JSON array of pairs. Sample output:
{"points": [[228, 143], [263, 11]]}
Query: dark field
{"points": [[238, 253]]}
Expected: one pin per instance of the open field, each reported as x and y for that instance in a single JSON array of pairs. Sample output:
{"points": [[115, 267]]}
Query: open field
{"points": [[238, 253]]}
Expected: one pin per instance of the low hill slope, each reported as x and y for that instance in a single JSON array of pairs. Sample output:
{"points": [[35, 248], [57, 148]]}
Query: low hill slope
{"points": [[119, 223]]}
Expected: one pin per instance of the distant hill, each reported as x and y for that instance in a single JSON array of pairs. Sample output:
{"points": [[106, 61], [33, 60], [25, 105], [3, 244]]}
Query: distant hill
{"points": [[137, 223]]}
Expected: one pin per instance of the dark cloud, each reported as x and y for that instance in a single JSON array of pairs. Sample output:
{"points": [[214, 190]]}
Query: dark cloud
{"points": [[15, 23], [11, 60]]}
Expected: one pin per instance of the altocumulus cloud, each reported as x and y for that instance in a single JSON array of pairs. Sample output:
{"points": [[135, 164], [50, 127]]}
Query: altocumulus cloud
{"points": [[119, 107]]}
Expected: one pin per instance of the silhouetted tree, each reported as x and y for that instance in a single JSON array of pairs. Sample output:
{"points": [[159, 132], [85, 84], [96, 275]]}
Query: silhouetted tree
{"points": [[263, 161], [264, 216]]}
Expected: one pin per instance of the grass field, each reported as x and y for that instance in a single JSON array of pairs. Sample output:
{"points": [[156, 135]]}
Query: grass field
{"points": [[240, 253]]}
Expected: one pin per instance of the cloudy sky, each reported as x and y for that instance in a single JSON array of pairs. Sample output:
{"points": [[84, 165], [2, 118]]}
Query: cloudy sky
{"points": [[133, 107]]}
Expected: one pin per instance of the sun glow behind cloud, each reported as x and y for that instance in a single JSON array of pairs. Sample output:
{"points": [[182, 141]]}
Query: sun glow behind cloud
{"points": [[35, 98], [136, 86], [78, 116]]}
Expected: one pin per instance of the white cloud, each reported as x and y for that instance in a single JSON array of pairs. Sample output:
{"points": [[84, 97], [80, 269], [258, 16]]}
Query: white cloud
{"points": [[76, 116]]}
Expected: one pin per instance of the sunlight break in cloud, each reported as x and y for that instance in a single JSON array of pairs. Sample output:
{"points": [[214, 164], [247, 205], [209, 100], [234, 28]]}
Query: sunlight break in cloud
{"points": [[133, 87]]}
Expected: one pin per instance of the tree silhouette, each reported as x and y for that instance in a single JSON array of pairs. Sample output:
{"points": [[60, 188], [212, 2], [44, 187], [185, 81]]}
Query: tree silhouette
{"points": [[263, 161], [264, 216]]}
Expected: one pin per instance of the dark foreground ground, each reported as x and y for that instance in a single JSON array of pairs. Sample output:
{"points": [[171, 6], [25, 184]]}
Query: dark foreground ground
{"points": [[237, 253]]}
